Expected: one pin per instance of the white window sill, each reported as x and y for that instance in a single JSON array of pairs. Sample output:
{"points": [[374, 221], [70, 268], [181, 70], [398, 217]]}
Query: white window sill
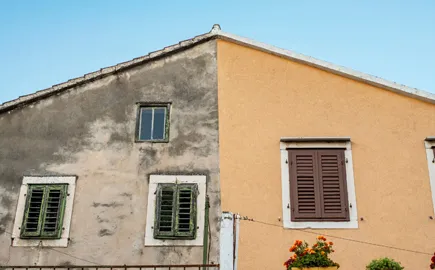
{"points": [[353, 224]]}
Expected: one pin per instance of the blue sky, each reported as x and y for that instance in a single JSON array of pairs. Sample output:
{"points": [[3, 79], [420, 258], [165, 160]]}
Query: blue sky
{"points": [[48, 42]]}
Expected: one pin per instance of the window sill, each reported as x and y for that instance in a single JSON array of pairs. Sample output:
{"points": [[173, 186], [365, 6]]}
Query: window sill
{"points": [[353, 224], [25, 242], [152, 141]]}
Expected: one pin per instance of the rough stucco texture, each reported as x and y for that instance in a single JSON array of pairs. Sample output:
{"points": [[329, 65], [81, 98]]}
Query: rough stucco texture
{"points": [[263, 97], [89, 131]]}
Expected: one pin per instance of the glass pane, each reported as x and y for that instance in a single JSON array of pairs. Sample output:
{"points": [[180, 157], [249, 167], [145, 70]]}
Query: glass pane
{"points": [[145, 124], [159, 123]]}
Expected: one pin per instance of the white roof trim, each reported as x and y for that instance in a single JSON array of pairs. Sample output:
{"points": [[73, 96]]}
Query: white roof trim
{"points": [[217, 33], [343, 71], [315, 139]]}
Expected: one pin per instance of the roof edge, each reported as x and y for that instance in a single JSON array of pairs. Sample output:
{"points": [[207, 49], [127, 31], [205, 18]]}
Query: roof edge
{"points": [[216, 32], [327, 66], [104, 72]]}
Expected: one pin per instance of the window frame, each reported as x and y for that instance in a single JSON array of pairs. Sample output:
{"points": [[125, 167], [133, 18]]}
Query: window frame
{"points": [[40, 234], [155, 180], [62, 241], [317, 143], [153, 105], [174, 233], [429, 145]]}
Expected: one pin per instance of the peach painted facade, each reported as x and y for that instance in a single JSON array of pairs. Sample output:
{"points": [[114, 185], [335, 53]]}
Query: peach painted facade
{"points": [[263, 97]]}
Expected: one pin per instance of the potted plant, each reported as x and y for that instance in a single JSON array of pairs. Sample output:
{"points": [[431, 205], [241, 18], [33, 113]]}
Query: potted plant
{"points": [[384, 264], [311, 258]]}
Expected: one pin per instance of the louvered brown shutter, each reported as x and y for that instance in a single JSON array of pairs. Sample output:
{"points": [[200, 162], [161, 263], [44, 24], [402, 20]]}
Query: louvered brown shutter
{"points": [[304, 191], [332, 181], [318, 190]]}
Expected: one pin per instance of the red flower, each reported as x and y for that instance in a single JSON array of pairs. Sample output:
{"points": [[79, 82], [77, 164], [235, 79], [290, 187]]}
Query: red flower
{"points": [[288, 262]]}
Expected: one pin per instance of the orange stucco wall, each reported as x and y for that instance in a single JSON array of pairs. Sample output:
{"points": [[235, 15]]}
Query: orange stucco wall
{"points": [[264, 97]]}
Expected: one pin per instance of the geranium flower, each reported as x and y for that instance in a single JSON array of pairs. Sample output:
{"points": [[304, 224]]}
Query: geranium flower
{"points": [[321, 237], [288, 262], [293, 248], [330, 243]]}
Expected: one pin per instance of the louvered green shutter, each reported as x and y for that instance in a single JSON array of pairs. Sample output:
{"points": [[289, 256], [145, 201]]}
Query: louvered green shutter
{"points": [[165, 211], [185, 226], [43, 217], [175, 211], [32, 220], [54, 210]]}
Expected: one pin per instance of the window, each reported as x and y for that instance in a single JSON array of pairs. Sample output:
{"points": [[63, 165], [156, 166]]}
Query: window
{"points": [[317, 183], [43, 214], [153, 124], [176, 211], [430, 155], [44, 211]]}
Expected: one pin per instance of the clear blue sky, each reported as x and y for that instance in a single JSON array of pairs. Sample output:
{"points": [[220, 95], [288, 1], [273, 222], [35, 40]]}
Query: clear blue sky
{"points": [[48, 42]]}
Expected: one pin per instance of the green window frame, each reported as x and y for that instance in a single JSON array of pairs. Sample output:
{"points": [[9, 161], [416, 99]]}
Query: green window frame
{"points": [[175, 216], [152, 122], [44, 211]]}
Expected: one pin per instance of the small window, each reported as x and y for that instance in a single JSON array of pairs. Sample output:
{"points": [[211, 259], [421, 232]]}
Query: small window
{"points": [[318, 189], [153, 123], [43, 215], [175, 211]]}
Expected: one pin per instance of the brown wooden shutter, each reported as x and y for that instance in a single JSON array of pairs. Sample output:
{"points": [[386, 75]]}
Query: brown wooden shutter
{"points": [[304, 191], [332, 181]]}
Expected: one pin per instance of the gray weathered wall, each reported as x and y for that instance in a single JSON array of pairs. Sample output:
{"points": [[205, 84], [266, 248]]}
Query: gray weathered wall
{"points": [[89, 131]]}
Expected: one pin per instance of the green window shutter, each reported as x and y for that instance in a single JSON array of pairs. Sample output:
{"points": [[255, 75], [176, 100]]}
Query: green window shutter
{"points": [[54, 211], [185, 226], [32, 220], [175, 211], [165, 211], [43, 216]]}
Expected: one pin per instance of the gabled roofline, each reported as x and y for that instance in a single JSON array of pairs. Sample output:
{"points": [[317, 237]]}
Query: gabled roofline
{"points": [[336, 69], [104, 72], [216, 32]]}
